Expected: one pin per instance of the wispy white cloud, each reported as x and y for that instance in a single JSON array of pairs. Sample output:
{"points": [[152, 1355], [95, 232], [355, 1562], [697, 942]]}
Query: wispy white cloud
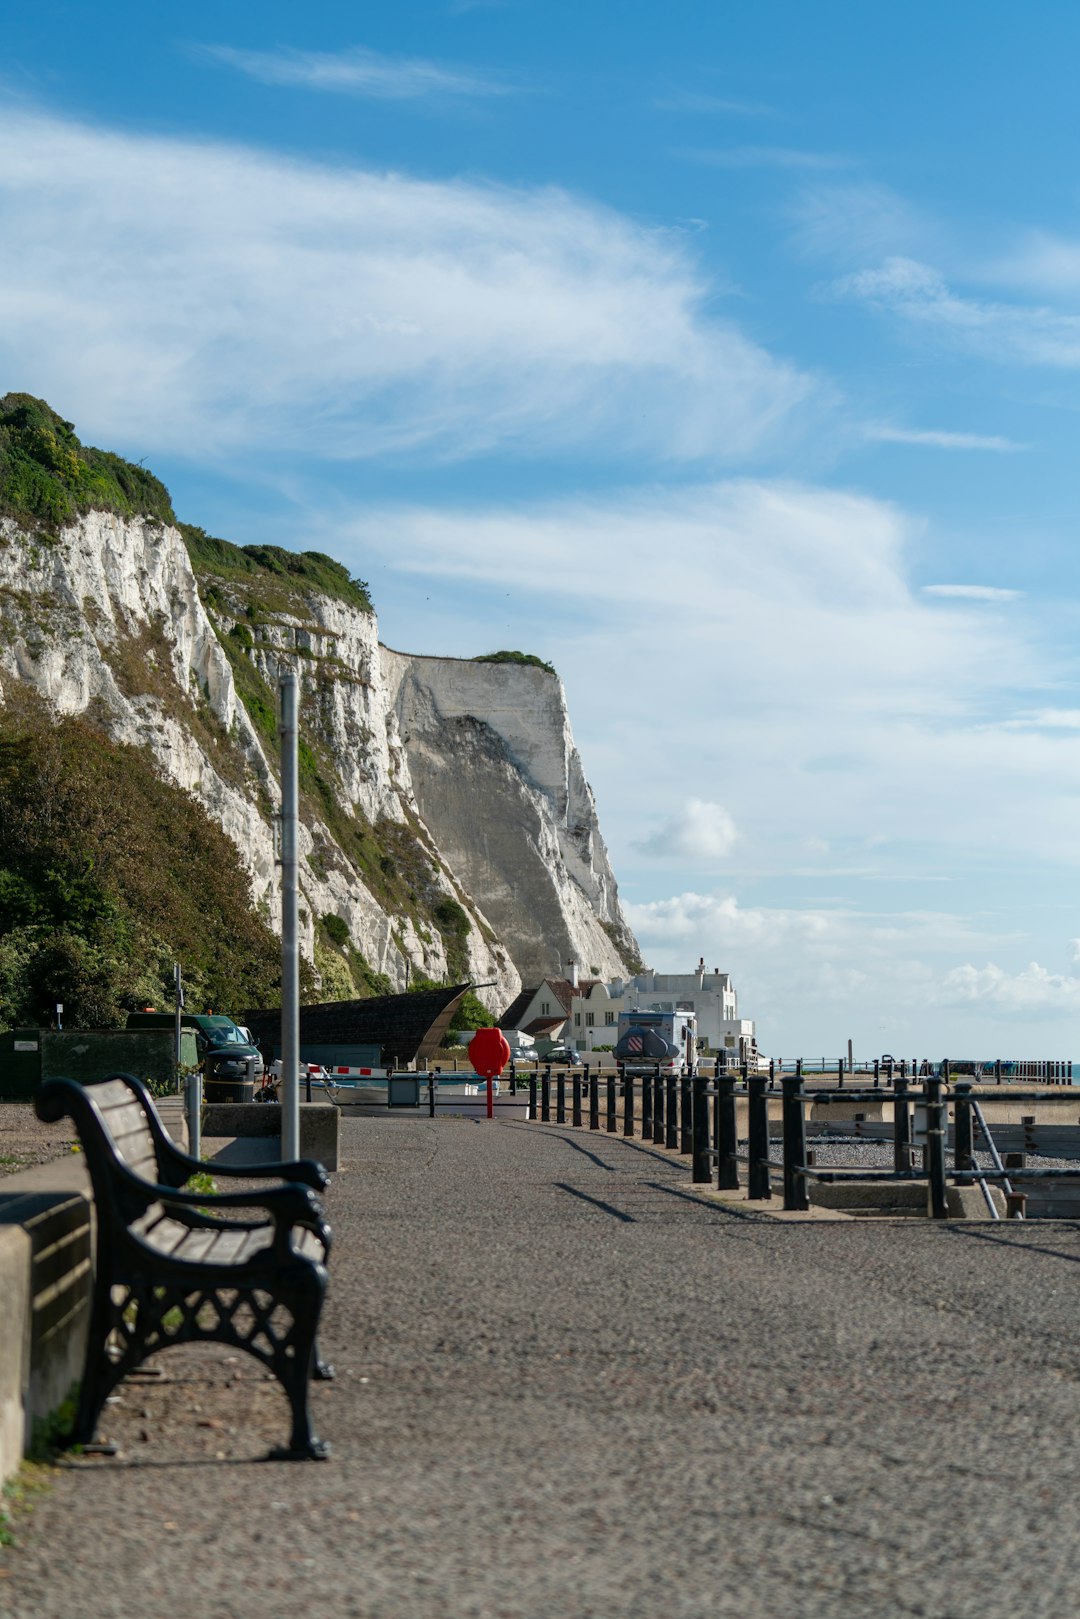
{"points": [[1028, 335], [975, 593], [882, 433], [856, 221], [357, 72], [206, 297], [1053, 719], [1040, 262], [763, 157], [700, 832]]}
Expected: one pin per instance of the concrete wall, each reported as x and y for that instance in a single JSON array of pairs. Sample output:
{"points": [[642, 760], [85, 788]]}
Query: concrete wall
{"points": [[320, 1129], [45, 1283], [82, 1054]]}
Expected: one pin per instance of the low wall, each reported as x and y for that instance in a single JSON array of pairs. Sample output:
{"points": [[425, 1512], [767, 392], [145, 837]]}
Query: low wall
{"points": [[45, 1283], [320, 1128]]}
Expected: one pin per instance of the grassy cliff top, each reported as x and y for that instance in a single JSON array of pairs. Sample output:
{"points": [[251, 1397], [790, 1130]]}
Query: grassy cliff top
{"points": [[529, 658], [48, 478], [265, 566]]}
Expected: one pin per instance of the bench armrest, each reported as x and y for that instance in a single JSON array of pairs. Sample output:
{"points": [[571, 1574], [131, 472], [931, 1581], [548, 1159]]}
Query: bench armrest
{"points": [[288, 1207], [302, 1171], [299, 1202]]}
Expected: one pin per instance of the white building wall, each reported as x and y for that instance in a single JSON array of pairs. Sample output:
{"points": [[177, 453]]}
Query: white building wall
{"points": [[710, 995]]}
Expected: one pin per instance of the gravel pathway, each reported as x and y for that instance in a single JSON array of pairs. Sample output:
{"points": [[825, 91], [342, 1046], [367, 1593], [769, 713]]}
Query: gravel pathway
{"points": [[568, 1387], [25, 1141]]}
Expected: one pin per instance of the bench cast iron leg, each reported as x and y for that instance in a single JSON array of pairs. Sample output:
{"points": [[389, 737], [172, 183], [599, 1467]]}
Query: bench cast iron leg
{"points": [[296, 1371]]}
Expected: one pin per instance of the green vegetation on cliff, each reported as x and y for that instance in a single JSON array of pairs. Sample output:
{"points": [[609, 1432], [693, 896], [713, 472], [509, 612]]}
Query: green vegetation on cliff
{"points": [[529, 658], [109, 874], [272, 573], [47, 478]]}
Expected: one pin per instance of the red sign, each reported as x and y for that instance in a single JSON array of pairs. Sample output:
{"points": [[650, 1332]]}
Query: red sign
{"points": [[488, 1053]]}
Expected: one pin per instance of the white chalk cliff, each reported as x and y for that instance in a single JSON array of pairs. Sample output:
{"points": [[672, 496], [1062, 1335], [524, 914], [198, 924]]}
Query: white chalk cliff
{"points": [[447, 819]]}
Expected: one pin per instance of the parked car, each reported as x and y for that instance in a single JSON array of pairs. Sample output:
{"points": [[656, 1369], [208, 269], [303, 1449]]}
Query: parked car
{"points": [[562, 1054]]}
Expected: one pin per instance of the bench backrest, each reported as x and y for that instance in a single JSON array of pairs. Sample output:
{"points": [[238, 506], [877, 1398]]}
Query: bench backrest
{"points": [[126, 1125]]}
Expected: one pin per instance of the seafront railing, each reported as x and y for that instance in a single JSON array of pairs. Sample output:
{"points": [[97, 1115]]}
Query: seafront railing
{"points": [[698, 1116]]}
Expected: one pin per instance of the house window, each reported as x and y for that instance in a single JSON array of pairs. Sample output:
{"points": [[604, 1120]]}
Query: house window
{"points": [[545, 1008], [589, 1020], [609, 1017], [577, 1020]]}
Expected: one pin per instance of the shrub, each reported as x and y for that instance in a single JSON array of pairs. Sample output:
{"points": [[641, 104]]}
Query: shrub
{"points": [[516, 657], [47, 477], [336, 929]]}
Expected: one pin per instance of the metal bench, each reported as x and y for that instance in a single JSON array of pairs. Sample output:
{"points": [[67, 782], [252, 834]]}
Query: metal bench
{"points": [[175, 1267]]}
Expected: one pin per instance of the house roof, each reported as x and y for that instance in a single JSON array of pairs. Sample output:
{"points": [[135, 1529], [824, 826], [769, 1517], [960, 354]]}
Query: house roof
{"points": [[516, 1010], [407, 1028], [543, 1025], [560, 988]]}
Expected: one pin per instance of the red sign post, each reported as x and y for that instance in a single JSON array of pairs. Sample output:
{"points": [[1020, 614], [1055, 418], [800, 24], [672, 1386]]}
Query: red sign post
{"points": [[489, 1055]]}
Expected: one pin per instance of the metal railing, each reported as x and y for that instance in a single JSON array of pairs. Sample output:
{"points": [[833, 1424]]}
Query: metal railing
{"points": [[698, 1116], [934, 1097]]}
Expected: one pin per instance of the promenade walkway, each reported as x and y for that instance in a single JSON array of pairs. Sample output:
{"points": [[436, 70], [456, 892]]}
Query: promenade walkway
{"points": [[569, 1387]]}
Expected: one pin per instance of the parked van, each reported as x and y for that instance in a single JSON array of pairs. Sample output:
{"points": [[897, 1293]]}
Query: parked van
{"points": [[652, 1038], [213, 1033]]}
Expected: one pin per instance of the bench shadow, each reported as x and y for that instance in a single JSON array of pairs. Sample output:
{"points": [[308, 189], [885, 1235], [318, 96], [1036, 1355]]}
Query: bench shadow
{"points": [[597, 1203], [128, 1464], [1005, 1242]]}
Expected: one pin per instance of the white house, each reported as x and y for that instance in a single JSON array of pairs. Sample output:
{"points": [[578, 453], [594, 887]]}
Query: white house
{"points": [[595, 1008], [585, 1012]]}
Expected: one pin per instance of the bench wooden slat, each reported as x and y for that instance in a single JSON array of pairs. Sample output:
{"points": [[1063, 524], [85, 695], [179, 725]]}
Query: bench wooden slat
{"points": [[178, 1241]]}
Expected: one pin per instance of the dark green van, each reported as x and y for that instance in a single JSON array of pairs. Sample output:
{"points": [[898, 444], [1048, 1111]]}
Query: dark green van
{"points": [[213, 1033]]}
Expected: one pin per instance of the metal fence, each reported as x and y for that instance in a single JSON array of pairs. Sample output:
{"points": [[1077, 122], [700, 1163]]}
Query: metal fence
{"points": [[697, 1115]]}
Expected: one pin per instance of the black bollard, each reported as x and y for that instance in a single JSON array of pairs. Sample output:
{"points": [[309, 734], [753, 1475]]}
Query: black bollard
{"points": [[725, 1132], [701, 1174], [686, 1122], [627, 1104], [612, 1120], [545, 1096], [963, 1133], [671, 1136], [935, 1147], [594, 1101], [901, 1127], [795, 1194], [658, 1109], [758, 1180], [575, 1100]]}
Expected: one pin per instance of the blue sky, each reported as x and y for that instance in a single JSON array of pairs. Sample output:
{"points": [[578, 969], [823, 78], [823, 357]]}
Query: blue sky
{"points": [[729, 357]]}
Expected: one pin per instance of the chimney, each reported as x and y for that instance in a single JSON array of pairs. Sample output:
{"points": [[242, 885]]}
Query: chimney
{"points": [[572, 972]]}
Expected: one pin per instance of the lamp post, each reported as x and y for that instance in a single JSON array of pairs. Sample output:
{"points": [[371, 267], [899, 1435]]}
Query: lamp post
{"points": [[290, 944]]}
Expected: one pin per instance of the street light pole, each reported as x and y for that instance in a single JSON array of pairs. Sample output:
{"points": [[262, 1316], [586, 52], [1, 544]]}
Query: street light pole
{"points": [[290, 944]]}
